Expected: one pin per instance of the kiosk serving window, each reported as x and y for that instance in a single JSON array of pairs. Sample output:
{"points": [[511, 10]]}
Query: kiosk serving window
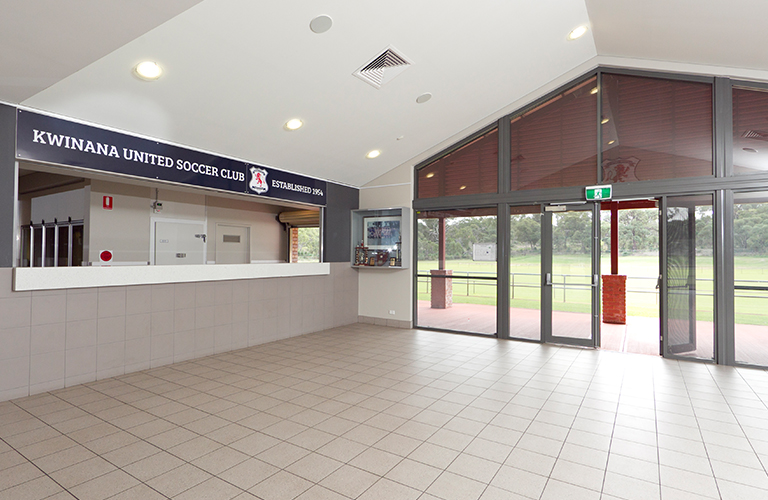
{"points": [[76, 221]]}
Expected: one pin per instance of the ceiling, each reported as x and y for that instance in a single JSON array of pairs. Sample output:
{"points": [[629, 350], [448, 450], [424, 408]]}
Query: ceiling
{"points": [[236, 70]]}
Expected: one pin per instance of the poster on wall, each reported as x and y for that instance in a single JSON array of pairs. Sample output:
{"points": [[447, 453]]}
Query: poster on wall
{"points": [[52, 140], [381, 232]]}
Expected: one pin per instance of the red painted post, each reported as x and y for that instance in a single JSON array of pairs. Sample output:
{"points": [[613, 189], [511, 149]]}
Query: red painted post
{"points": [[615, 237], [441, 243]]}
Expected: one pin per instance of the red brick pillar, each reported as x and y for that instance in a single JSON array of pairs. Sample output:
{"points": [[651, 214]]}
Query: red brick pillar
{"points": [[294, 244], [442, 288], [615, 299]]}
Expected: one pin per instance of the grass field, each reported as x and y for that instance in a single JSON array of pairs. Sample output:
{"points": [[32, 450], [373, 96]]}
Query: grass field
{"points": [[642, 296]]}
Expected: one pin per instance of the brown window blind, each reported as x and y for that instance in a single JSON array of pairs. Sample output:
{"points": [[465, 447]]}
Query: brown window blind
{"points": [[655, 128], [750, 131], [555, 144], [471, 169]]}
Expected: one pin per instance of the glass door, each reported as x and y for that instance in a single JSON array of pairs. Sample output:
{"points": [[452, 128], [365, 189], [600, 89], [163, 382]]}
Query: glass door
{"points": [[571, 274], [688, 294]]}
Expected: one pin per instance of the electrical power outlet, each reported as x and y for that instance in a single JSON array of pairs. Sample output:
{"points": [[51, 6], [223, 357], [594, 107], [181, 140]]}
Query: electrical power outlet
{"points": [[392, 312]]}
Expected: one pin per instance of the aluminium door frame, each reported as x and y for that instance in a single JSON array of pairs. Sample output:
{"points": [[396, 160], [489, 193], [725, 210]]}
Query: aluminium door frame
{"points": [[547, 290]]}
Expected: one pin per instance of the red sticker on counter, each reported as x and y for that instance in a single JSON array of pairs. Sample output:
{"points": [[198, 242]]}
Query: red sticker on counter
{"points": [[105, 256]]}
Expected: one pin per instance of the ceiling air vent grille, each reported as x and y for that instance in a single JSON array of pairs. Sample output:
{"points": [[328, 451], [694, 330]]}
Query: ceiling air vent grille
{"points": [[383, 68], [756, 134]]}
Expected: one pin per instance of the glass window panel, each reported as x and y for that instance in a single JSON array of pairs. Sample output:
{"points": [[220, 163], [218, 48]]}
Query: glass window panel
{"points": [[525, 272], [555, 144], [50, 245], [62, 257], [690, 277], [77, 245], [750, 131], [750, 245], [655, 129], [308, 244], [456, 258], [471, 169]]}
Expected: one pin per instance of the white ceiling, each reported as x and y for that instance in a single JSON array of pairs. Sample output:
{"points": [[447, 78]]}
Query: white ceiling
{"points": [[236, 70]]}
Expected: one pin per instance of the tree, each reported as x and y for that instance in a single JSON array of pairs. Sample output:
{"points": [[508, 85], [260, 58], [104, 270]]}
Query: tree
{"points": [[527, 230]]}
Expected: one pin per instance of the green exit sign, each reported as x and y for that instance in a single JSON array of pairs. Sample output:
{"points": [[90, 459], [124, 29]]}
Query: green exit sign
{"points": [[598, 193]]}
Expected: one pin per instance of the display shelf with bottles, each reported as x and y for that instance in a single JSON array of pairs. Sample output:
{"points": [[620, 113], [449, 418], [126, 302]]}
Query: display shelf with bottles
{"points": [[381, 238]]}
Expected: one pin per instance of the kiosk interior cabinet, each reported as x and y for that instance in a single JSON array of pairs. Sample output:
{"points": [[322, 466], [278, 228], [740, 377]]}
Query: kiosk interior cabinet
{"points": [[381, 238]]}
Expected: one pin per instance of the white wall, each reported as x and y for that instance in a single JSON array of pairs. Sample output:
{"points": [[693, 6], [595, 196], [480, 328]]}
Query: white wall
{"points": [[268, 239], [59, 206], [383, 290], [124, 230]]}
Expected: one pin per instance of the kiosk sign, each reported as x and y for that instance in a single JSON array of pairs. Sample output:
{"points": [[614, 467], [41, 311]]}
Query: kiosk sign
{"points": [[598, 193]]}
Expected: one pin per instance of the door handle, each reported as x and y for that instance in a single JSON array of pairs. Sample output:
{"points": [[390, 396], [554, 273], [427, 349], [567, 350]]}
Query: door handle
{"points": [[658, 282], [548, 279]]}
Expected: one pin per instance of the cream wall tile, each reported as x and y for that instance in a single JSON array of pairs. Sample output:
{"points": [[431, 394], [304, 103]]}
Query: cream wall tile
{"points": [[240, 291], [47, 338], [204, 316], [82, 306], [163, 298], [222, 314], [14, 374], [112, 302], [204, 341], [240, 312], [222, 338], [48, 308], [205, 294], [46, 367], [110, 358], [111, 329], [81, 361], [239, 335], [81, 333], [184, 295], [138, 299], [15, 342], [16, 311], [183, 345], [137, 354], [161, 347], [138, 326], [162, 323], [223, 293], [183, 320]]}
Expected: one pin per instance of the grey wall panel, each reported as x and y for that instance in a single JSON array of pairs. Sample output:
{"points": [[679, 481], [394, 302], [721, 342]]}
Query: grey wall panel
{"points": [[337, 223], [7, 182]]}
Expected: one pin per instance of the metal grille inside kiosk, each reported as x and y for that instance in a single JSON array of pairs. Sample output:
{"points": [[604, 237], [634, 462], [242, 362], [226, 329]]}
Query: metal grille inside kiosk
{"points": [[52, 244]]}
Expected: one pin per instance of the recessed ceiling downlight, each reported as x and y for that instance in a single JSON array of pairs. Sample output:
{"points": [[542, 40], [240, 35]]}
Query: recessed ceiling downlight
{"points": [[148, 70], [373, 154], [293, 124], [577, 32], [424, 98], [750, 150], [430, 175], [321, 24]]}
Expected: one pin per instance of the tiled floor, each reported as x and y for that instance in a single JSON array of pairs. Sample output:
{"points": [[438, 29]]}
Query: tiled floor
{"points": [[375, 413]]}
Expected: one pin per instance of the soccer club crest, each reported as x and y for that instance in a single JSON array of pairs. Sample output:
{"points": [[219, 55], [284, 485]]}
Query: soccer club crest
{"points": [[258, 182], [620, 169]]}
